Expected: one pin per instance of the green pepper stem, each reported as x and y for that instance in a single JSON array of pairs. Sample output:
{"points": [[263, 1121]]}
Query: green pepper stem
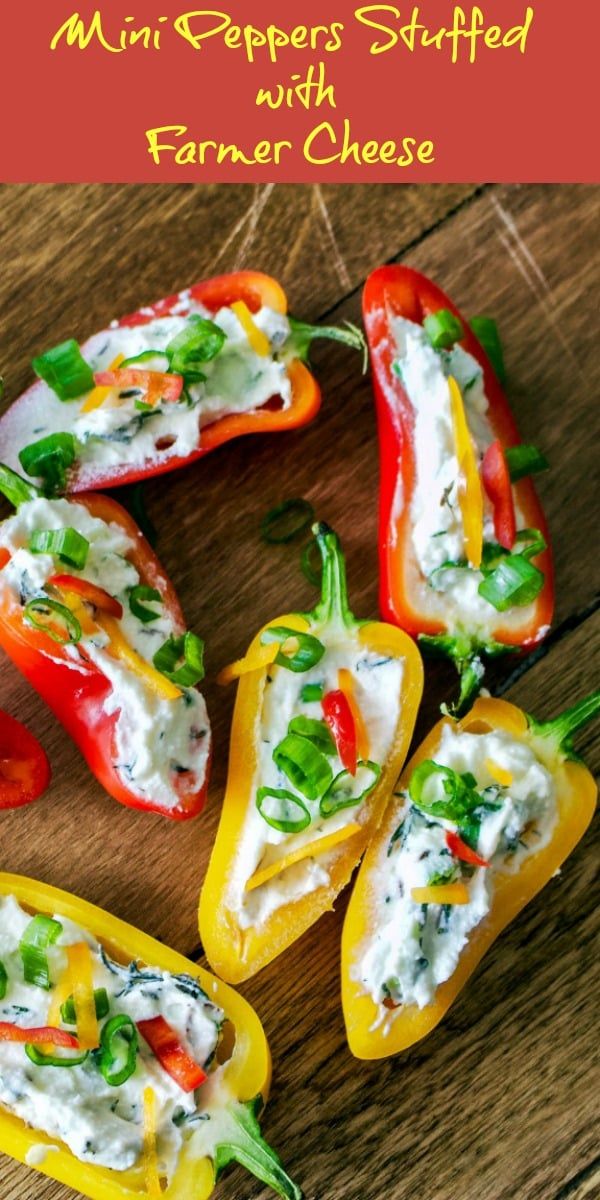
{"points": [[466, 654], [302, 335], [247, 1147], [562, 728], [333, 607], [16, 489]]}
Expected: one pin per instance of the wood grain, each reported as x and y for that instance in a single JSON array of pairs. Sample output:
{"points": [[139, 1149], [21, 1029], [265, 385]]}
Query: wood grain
{"points": [[499, 1102]]}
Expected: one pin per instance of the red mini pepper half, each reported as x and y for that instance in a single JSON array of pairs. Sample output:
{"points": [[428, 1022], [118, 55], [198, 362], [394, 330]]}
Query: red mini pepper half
{"points": [[78, 696], [24, 767], [244, 291], [405, 598]]}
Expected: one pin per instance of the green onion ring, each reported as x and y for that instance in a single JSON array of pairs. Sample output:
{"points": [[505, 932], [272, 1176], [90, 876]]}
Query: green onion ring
{"points": [[310, 650], [139, 610], [181, 659], [119, 1028], [281, 823], [339, 793], [40, 1059], [41, 932], [39, 613], [275, 527], [304, 764]]}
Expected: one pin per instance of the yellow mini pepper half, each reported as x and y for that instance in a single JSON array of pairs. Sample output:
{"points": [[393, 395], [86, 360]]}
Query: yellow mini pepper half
{"points": [[237, 951], [233, 1093], [376, 1031]]}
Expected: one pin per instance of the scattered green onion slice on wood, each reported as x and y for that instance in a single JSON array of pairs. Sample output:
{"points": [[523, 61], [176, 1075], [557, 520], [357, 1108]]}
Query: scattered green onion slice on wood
{"points": [[286, 521]]}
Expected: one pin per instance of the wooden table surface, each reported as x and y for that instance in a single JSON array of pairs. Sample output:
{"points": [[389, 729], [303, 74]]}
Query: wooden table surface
{"points": [[500, 1102]]}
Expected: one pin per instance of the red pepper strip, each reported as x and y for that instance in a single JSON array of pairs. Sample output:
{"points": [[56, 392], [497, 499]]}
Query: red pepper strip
{"points": [[156, 384], [460, 850], [497, 483], [88, 591], [37, 1036], [4, 556], [24, 768], [339, 718], [165, 1045]]}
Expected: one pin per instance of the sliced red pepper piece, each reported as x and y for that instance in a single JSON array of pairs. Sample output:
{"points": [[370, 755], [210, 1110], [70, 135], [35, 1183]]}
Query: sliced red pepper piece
{"points": [[156, 384], [38, 1035], [460, 850], [24, 767], [338, 716], [497, 483], [173, 1058], [89, 591]]}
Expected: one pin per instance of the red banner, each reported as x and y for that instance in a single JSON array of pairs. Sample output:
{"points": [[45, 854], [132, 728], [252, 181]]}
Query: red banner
{"points": [[323, 91]]}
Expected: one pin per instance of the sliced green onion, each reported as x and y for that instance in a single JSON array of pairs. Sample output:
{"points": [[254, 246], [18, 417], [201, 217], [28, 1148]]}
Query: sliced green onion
{"points": [[286, 521], [3, 981], [199, 342], [525, 460], [312, 563], [66, 544], [310, 650], [40, 1059], [442, 792], [347, 790], [67, 1010], [513, 583], [65, 370], [49, 460], [54, 619], [305, 766], [311, 692], [486, 332], [118, 1049], [443, 329], [148, 360], [302, 335], [139, 610], [181, 659], [40, 933], [438, 878], [279, 816], [317, 732], [535, 542], [17, 490]]}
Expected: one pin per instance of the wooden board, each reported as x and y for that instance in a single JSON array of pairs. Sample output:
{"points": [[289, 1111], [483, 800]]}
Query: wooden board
{"points": [[499, 1102]]}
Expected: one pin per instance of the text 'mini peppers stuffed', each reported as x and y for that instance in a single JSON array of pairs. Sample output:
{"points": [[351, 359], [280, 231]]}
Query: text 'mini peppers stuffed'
{"points": [[125, 1070], [486, 812], [325, 710], [164, 386], [90, 618], [464, 556]]}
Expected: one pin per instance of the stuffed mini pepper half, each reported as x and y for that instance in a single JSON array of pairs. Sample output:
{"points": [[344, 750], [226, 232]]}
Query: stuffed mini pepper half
{"points": [[464, 556], [125, 1070], [324, 715], [164, 386], [89, 617], [486, 812]]}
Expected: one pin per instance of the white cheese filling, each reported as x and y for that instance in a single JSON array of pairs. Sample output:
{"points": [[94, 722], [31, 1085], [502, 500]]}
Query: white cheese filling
{"points": [[377, 683], [436, 519], [100, 1123], [413, 947], [161, 747], [237, 380]]}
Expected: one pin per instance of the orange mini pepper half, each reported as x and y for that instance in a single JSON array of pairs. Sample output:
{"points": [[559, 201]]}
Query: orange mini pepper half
{"points": [[232, 1094], [262, 891], [376, 1030]]}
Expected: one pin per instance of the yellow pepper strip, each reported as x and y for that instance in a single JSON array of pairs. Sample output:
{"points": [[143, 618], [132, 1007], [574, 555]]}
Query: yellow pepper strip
{"points": [[60, 992], [500, 774], [441, 893], [346, 685], [82, 985], [80, 611], [258, 340], [99, 395], [119, 647], [153, 1187], [262, 657], [318, 846], [470, 497]]}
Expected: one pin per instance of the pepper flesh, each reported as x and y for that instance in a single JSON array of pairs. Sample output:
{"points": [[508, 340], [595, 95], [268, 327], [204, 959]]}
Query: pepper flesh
{"points": [[404, 598], [229, 1094], [24, 767], [576, 798], [237, 953], [255, 290], [77, 698]]}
